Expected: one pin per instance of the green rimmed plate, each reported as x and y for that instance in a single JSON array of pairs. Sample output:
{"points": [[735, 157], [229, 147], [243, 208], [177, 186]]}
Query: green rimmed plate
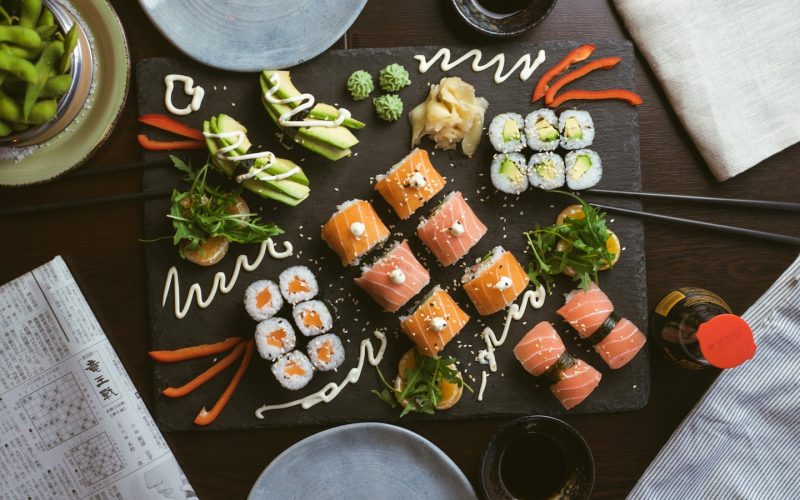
{"points": [[95, 122]]}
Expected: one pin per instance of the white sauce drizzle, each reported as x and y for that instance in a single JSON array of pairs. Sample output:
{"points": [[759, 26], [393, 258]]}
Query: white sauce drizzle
{"points": [[221, 282], [197, 94], [528, 67], [484, 376], [332, 389], [254, 171], [306, 102]]}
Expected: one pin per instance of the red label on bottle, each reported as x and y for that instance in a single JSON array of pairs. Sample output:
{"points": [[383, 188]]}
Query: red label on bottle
{"points": [[726, 341]]}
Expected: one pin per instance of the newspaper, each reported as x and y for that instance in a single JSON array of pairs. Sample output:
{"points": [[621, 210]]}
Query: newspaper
{"points": [[72, 424]]}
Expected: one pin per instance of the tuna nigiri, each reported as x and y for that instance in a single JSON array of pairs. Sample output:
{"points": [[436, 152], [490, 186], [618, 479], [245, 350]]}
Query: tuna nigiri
{"points": [[354, 230], [452, 229], [621, 345], [434, 322], [395, 278], [575, 384], [495, 282], [586, 310], [410, 183], [539, 349]]}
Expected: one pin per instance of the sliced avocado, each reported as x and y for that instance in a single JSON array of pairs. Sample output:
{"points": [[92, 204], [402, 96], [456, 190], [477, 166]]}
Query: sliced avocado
{"points": [[311, 143], [227, 124], [265, 191], [510, 131], [322, 111], [282, 165], [546, 131], [511, 170], [572, 129], [546, 170], [582, 165], [338, 137], [223, 166], [286, 88]]}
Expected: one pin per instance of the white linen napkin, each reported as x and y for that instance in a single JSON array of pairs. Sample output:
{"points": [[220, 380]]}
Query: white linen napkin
{"points": [[731, 70], [743, 437]]}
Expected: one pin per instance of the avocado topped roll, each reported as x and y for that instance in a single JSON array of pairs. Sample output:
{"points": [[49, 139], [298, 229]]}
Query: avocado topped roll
{"points": [[541, 130], [577, 129], [509, 173], [546, 170], [584, 169], [505, 133]]}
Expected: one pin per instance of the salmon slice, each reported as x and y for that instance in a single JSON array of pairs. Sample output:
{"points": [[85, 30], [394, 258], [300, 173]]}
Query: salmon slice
{"points": [[324, 352], [276, 338], [575, 384], [586, 310], [539, 349], [495, 282], [263, 298], [384, 287], [410, 183], [354, 230], [452, 230], [297, 285], [311, 318], [621, 345], [292, 369], [435, 322]]}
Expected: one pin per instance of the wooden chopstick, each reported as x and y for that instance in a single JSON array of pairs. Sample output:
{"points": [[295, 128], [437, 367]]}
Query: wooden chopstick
{"points": [[777, 238], [85, 202], [708, 200]]}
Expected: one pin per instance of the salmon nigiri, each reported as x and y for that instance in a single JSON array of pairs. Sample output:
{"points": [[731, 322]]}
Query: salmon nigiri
{"points": [[539, 349], [621, 345], [410, 183], [434, 322], [575, 384], [354, 230], [452, 229], [495, 281], [395, 278], [586, 310]]}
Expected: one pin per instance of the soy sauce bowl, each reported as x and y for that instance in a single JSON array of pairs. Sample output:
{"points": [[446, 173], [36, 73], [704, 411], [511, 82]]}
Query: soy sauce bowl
{"points": [[565, 467], [478, 16]]}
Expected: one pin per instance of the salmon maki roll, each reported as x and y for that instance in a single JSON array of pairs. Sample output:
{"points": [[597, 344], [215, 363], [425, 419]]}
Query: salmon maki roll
{"points": [[434, 322], [621, 345], [495, 282], [575, 384], [539, 349], [452, 229], [586, 310], [395, 278], [410, 183], [354, 230]]}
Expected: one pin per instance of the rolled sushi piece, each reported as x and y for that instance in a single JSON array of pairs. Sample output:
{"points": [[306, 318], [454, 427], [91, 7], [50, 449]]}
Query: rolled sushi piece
{"points": [[298, 284], [434, 322], [274, 338], [506, 133], [326, 352], [410, 183], [546, 171], [621, 345], [583, 169], [576, 128], [586, 311], [451, 230], [508, 173], [312, 317], [575, 384], [395, 278], [540, 349], [262, 299], [541, 130], [354, 230], [495, 282], [293, 370]]}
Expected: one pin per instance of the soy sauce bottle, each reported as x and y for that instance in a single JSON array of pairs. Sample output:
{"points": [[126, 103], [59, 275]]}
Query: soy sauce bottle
{"points": [[696, 329]]}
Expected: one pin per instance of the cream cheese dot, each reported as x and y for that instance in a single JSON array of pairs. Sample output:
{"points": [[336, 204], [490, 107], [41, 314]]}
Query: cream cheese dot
{"points": [[504, 283], [357, 229], [457, 229], [397, 277], [438, 324], [417, 180]]}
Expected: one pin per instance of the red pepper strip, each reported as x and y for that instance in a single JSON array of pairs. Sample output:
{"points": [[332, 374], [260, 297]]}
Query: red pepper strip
{"points": [[164, 122], [593, 95], [576, 55], [197, 351], [177, 392], [604, 63], [153, 145], [206, 417]]}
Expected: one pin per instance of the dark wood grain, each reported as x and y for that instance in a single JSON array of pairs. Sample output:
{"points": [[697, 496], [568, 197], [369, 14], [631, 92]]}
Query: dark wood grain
{"points": [[100, 245]]}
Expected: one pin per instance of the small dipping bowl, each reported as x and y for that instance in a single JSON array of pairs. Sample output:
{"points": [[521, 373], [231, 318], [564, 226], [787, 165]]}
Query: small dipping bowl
{"points": [[517, 16], [537, 457]]}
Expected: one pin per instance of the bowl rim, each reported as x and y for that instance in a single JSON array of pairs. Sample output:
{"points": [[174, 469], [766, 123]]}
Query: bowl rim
{"points": [[501, 34]]}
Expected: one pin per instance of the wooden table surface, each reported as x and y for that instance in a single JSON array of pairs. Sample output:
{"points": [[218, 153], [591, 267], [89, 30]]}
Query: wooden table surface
{"points": [[101, 247]]}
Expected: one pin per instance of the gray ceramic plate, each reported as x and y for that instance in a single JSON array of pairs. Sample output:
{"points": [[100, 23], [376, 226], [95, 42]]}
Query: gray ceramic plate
{"points": [[250, 35], [362, 461]]}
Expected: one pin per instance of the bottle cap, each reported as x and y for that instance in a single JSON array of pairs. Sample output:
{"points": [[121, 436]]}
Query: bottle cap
{"points": [[726, 341]]}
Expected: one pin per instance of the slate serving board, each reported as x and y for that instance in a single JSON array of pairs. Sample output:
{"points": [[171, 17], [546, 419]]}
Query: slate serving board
{"points": [[510, 391]]}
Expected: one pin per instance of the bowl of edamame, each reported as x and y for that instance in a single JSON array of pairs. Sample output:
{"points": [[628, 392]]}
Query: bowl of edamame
{"points": [[45, 70]]}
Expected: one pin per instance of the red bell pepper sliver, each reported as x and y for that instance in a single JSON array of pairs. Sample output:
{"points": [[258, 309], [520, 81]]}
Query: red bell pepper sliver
{"points": [[197, 351], [206, 417], [164, 122], [603, 63], [152, 145], [214, 370], [576, 55], [594, 95]]}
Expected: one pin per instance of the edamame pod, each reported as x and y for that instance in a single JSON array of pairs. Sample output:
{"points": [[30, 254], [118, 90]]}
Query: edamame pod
{"points": [[9, 109], [45, 32], [20, 51], [43, 112], [47, 18], [56, 86], [70, 42], [20, 35], [5, 129], [19, 127], [50, 56], [30, 10], [18, 67]]}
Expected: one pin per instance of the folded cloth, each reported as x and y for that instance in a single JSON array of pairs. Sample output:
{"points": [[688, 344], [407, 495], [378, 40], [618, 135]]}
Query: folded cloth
{"points": [[731, 70], [743, 437]]}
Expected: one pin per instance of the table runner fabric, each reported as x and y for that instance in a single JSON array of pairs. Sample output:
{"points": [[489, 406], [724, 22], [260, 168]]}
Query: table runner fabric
{"points": [[742, 438], [730, 69]]}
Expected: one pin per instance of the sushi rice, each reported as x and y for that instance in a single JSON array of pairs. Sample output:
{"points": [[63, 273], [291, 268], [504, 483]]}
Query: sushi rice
{"points": [[509, 173], [298, 284], [293, 370], [541, 130], [506, 133], [274, 338], [262, 299], [326, 352], [576, 129], [584, 169], [546, 170], [312, 317]]}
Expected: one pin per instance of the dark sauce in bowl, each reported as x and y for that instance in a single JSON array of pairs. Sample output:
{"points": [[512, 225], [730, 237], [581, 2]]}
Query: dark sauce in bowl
{"points": [[533, 467], [500, 8]]}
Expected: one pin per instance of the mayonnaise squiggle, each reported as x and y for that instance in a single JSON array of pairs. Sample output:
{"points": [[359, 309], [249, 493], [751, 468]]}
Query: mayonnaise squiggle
{"points": [[484, 376], [221, 282], [306, 102], [528, 66], [332, 389], [254, 171], [197, 94]]}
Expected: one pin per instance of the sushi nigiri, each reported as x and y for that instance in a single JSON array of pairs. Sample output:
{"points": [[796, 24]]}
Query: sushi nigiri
{"points": [[354, 230], [395, 278], [621, 345], [539, 349], [410, 183], [452, 229], [495, 282], [586, 310], [434, 322], [575, 384]]}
